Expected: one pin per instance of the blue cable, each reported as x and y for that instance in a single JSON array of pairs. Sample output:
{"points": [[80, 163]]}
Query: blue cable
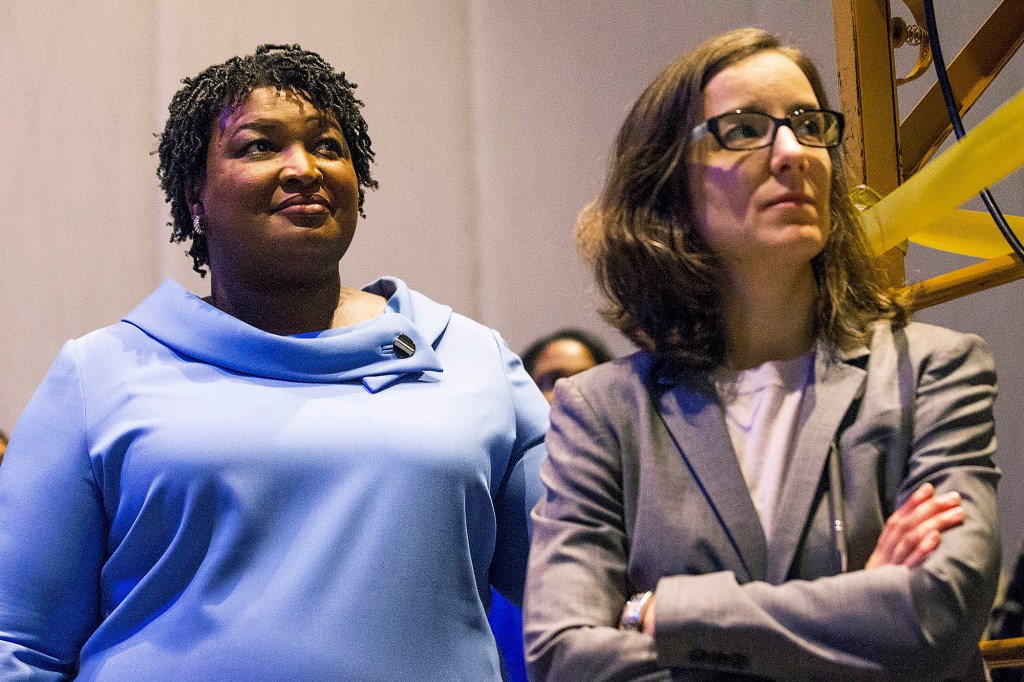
{"points": [[958, 126]]}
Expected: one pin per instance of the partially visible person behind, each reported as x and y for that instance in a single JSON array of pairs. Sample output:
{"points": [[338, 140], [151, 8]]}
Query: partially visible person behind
{"points": [[3, 445], [290, 479], [791, 480], [562, 354], [558, 355]]}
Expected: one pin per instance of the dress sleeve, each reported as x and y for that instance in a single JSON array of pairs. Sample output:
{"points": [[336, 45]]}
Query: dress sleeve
{"points": [[576, 584], [52, 533], [520, 488], [889, 623]]}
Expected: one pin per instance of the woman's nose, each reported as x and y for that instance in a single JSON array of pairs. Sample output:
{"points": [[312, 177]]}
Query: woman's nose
{"points": [[787, 152], [300, 166]]}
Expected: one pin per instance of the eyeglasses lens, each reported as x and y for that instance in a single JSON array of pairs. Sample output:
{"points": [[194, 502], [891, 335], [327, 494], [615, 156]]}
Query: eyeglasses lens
{"points": [[815, 128], [747, 130]]}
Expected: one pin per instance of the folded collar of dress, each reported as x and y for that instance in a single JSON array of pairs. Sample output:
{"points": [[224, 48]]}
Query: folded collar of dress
{"points": [[365, 351]]}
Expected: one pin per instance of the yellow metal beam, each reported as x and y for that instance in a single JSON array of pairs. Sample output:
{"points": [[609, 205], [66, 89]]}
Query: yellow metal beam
{"points": [[867, 97], [965, 281]]}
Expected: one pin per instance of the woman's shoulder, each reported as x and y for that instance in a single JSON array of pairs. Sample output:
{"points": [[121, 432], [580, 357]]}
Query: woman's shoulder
{"points": [[923, 336], [927, 345], [614, 385], [106, 342], [169, 304], [167, 326], [634, 368]]}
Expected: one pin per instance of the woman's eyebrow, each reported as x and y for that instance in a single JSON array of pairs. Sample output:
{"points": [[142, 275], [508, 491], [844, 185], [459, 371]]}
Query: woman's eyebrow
{"points": [[269, 124], [761, 109]]}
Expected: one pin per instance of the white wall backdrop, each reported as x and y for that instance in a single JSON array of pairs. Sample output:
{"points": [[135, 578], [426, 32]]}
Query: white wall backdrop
{"points": [[491, 120]]}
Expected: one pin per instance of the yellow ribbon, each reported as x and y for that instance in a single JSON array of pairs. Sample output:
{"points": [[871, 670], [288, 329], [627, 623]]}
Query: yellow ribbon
{"points": [[989, 152], [970, 233]]}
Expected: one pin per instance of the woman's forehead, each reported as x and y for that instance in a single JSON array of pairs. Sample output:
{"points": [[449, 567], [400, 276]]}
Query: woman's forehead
{"points": [[272, 102], [763, 79]]}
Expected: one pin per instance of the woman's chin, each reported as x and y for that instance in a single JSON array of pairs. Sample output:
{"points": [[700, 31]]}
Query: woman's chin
{"points": [[803, 241]]}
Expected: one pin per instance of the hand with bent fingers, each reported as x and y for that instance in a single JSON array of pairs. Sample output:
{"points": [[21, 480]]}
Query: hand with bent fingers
{"points": [[914, 530]]}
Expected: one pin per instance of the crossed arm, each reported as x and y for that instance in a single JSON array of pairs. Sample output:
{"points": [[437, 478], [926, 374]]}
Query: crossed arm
{"points": [[909, 536]]}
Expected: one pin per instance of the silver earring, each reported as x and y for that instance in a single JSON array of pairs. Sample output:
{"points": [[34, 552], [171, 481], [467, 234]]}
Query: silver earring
{"points": [[198, 226]]}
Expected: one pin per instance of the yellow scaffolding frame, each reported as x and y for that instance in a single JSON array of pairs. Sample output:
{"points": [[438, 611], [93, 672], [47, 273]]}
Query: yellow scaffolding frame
{"points": [[884, 152]]}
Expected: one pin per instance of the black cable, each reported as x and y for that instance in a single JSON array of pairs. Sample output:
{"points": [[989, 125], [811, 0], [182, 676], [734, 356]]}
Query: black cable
{"points": [[958, 126]]}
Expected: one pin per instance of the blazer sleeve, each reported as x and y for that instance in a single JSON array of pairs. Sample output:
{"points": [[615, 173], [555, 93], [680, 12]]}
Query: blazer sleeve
{"points": [[52, 533], [576, 584], [520, 487], [889, 623]]}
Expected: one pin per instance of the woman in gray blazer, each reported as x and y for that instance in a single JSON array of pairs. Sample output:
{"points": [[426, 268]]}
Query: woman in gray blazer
{"points": [[790, 481]]}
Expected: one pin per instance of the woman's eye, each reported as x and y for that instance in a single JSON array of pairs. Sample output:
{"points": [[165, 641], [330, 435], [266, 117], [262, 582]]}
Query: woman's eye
{"points": [[256, 147], [809, 128], [330, 146], [741, 131]]}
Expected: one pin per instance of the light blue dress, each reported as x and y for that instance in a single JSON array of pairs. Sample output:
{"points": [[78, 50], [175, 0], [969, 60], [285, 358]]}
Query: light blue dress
{"points": [[189, 498]]}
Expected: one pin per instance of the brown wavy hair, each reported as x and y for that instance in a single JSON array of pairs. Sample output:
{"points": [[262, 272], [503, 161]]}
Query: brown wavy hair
{"points": [[656, 271]]}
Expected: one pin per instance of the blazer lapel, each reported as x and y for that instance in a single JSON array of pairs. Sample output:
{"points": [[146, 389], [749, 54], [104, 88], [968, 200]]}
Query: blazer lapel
{"points": [[695, 420], [834, 387]]}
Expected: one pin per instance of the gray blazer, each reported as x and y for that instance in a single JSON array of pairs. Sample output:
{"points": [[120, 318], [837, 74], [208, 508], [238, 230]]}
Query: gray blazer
{"points": [[645, 492]]}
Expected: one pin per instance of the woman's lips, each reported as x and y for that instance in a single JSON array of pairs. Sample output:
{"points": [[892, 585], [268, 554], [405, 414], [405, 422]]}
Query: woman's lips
{"points": [[305, 209], [302, 201], [790, 201]]}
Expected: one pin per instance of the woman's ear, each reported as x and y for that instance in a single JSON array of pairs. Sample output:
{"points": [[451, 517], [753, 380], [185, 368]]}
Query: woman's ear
{"points": [[194, 196]]}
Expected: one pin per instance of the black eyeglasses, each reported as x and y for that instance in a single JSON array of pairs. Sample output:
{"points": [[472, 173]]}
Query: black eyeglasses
{"points": [[745, 130]]}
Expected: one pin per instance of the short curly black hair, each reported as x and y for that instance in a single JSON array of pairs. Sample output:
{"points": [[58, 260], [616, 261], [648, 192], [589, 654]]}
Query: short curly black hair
{"points": [[197, 105]]}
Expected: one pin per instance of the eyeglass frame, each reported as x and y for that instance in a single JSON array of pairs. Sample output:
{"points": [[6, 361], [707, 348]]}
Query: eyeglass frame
{"points": [[711, 126]]}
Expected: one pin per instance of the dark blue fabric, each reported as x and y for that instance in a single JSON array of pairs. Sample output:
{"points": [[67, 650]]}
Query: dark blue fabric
{"points": [[507, 623]]}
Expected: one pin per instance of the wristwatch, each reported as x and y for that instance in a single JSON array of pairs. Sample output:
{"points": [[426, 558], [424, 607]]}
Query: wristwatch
{"points": [[632, 617]]}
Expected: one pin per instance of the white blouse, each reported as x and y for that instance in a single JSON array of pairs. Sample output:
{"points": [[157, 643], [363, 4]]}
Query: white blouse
{"points": [[762, 406]]}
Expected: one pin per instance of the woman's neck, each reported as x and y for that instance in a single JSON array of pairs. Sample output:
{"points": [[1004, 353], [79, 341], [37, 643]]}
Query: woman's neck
{"points": [[769, 317], [294, 309]]}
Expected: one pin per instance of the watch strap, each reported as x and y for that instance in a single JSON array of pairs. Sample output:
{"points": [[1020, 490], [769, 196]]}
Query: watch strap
{"points": [[633, 614]]}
